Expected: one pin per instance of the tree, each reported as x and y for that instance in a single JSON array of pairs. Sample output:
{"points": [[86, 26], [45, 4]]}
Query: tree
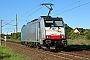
{"points": [[87, 34], [68, 31], [16, 36]]}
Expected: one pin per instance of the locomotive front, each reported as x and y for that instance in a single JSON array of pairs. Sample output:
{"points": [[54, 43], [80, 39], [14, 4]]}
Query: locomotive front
{"points": [[55, 33]]}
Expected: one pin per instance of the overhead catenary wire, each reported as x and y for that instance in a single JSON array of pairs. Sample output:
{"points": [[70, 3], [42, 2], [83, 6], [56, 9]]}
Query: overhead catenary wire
{"points": [[7, 23], [72, 8], [68, 6], [31, 13]]}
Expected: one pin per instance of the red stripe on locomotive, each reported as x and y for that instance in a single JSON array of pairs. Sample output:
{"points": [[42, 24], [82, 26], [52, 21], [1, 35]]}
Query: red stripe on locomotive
{"points": [[55, 37]]}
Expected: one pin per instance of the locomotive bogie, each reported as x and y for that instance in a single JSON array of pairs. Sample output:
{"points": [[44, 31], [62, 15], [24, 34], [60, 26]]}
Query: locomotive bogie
{"points": [[53, 44]]}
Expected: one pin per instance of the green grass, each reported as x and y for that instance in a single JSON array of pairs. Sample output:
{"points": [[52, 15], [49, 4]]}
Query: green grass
{"points": [[17, 40], [14, 40], [78, 42], [8, 54]]}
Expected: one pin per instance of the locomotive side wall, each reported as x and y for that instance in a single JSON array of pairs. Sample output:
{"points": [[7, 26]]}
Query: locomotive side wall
{"points": [[31, 32]]}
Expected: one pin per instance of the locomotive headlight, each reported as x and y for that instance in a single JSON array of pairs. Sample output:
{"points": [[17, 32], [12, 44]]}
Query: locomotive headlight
{"points": [[62, 36], [47, 36]]}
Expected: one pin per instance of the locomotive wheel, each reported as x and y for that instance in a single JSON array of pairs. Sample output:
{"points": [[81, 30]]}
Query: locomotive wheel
{"points": [[48, 47], [38, 46], [22, 43]]}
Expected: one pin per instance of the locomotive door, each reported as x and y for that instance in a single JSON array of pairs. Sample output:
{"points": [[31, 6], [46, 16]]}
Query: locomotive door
{"points": [[41, 31], [42, 26], [38, 33]]}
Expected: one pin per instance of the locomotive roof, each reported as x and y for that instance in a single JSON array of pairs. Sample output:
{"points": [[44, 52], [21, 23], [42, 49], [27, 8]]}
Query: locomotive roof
{"points": [[51, 18], [46, 17], [34, 20]]}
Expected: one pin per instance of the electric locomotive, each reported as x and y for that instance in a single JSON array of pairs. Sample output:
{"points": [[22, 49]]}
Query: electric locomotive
{"points": [[44, 32]]}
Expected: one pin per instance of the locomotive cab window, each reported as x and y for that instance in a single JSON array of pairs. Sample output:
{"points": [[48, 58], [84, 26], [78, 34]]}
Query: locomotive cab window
{"points": [[49, 23], [55, 23], [58, 23]]}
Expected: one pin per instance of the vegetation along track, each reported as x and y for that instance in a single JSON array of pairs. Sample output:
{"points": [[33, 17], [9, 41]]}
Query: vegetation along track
{"points": [[39, 54]]}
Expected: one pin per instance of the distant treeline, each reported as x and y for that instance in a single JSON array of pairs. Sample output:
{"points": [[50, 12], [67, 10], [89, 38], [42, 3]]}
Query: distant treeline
{"points": [[13, 36]]}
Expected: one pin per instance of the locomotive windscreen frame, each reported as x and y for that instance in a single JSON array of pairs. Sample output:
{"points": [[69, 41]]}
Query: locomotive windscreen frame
{"points": [[54, 23]]}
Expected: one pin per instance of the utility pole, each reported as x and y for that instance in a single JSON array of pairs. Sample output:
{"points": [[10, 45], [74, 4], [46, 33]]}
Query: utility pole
{"points": [[0, 31], [16, 23]]}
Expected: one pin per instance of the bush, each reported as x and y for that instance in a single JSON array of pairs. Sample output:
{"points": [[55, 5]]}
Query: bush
{"points": [[68, 35], [16, 36], [87, 36], [74, 35]]}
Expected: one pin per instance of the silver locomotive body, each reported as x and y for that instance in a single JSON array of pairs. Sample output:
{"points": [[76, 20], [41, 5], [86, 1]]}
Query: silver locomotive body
{"points": [[45, 32]]}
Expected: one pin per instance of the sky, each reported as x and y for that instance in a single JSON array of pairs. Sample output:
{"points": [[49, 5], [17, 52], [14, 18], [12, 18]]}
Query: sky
{"points": [[75, 13]]}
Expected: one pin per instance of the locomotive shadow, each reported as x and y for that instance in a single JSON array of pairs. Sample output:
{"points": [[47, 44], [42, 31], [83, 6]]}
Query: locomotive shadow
{"points": [[70, 48]]}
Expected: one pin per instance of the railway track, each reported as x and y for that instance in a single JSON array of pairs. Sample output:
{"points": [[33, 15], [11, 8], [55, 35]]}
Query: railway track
{"points": [[40, 54], [66, 55]]}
